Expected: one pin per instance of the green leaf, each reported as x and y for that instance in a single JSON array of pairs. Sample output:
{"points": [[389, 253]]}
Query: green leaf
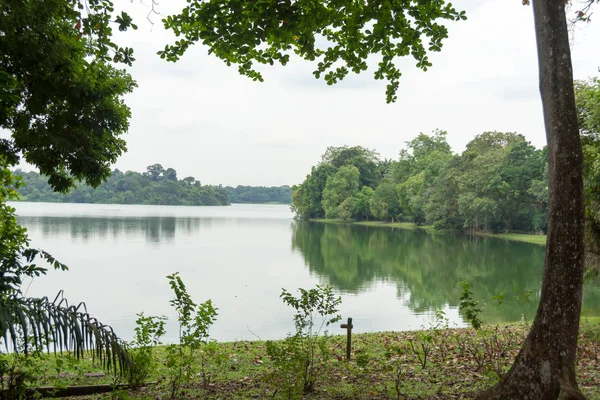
{"points": [[329, 32]]}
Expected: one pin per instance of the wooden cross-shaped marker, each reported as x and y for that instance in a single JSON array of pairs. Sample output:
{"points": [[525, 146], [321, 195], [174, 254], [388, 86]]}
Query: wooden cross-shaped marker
{"points": [[348, 326]]}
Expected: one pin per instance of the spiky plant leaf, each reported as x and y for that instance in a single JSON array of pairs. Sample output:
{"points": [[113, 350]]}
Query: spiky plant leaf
{"points": [[56, 326]]}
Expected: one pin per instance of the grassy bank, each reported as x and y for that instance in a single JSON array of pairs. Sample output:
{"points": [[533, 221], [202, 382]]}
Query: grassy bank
{"points": [[519, 237], [379, 224], [401, 225], [385, 365]]}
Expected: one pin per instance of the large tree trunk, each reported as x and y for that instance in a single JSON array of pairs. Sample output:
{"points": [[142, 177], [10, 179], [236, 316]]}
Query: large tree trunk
{"points": [[545, 366]]}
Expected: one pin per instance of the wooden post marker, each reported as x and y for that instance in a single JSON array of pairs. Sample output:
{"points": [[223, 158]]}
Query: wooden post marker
{"points": [[348, 326]]}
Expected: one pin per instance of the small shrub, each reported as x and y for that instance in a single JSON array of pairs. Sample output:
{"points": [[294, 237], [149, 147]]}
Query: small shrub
{"points": [[148, 332], [496, 345], [298, 359], [194, 323], [462, 343], [18, 372], [421, 347], [211, 360], [66, 362], [469, 306], [439, 331], [395, 368], [474, 348]]}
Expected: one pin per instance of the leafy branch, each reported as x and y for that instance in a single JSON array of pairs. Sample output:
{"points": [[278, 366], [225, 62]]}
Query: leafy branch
{"points": [[340, 36]]}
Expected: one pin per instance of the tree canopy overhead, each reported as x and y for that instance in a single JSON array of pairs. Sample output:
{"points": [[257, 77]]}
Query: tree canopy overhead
{"points": [[339, 34], [61, 96]]}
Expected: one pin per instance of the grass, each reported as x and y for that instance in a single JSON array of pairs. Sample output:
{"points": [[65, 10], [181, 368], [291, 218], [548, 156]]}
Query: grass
{"points": [[519, 237], [401, 225], [591, 319], [379, 224], [458, 366]]}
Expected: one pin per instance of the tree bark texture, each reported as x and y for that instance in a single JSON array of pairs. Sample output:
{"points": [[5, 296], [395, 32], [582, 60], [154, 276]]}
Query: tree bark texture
{"points": [[545, 366]]}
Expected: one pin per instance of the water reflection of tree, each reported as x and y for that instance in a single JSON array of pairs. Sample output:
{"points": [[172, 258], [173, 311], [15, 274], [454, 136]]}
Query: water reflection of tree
{"points": [[154, 229], [426, 269]]}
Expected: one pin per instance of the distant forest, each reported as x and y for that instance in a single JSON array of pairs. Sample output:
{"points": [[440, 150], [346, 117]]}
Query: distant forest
{"points": [[156, 186], [259, 194]]}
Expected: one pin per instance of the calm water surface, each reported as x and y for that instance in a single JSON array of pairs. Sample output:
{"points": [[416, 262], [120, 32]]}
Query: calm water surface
{"points": [[241, 256]]}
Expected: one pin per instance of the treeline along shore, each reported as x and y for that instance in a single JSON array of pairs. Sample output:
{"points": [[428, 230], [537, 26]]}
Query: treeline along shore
{"points": [[155, 186]]}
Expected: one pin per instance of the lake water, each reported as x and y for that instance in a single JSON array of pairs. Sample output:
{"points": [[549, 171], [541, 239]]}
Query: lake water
{"points": [[242, 256]]}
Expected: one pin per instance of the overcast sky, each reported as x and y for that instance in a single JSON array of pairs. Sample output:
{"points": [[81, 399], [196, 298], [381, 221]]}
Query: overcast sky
{"points": [[203, 119]]}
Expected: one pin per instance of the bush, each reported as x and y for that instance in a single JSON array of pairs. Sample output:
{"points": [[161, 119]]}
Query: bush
{"points": [[148, 332], [194, 323], [298, 359]]}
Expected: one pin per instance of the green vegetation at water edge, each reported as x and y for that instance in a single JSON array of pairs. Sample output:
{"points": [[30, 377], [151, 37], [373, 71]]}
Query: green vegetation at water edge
{"points": [[498, 184], [401, 225], [379, 224], [519, 237], [459, 363]]}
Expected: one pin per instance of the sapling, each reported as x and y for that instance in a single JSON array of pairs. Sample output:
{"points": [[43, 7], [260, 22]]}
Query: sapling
{"points": [[298, 359], [194, 323], [148, 332], [469, 306]]}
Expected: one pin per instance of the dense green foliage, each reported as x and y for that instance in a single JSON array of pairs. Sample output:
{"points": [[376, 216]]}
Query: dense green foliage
{"points": [[61, 97], [155, 186], [61, 101], [259, 194], [243, 32], [587, 95], [499, 183]]}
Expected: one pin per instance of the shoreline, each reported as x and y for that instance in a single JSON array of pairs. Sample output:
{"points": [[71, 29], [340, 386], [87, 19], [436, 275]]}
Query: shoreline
{"points": [[539, 240]]}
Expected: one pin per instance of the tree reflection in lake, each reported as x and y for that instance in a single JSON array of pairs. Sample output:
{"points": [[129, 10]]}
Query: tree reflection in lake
{"points": [[154, 229], [427, 269]]}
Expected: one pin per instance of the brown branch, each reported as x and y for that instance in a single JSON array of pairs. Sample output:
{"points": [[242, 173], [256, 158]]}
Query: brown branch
{"points": [[153, 10], [583, 14]]}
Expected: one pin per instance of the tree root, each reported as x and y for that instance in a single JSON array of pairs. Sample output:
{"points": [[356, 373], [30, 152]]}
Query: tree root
{"points": [[568, 392]]}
